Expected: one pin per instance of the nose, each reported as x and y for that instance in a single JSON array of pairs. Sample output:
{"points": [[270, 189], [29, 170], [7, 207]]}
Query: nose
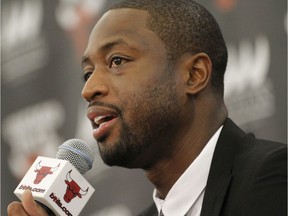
{"points": [[94, 87]]}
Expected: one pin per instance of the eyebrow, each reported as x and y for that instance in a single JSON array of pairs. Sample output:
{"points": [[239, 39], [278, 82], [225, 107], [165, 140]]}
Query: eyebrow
{"points": [[84, 60], [108, 46], [121, 42]]}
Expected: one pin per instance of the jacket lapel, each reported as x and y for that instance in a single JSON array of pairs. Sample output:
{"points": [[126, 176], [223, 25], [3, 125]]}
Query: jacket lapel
{"points": [[220, 172]]}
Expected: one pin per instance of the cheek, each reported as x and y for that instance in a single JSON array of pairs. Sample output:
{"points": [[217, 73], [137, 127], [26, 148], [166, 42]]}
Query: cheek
{"points": [[132, 101], [149, 103], [146, 95], [133, 104]]}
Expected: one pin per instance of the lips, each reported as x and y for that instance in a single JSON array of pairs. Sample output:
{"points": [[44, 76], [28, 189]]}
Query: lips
{"points": [[99, 120], [102, 120]]}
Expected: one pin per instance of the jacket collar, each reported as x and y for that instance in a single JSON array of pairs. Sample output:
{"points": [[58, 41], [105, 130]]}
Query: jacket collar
{"points": [[221, 168]]}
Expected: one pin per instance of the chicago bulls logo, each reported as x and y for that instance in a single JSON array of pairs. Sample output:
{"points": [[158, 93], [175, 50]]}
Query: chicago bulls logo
{"points": [[73, 189], [43, 171]]}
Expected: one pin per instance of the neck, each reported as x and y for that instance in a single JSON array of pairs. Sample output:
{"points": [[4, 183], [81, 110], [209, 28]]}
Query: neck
{"points": [[190, 143]]}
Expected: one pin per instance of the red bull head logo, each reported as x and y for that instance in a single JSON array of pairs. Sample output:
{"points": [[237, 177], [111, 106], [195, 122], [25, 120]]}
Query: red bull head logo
{"points": [[43, 171], [73, 189]]}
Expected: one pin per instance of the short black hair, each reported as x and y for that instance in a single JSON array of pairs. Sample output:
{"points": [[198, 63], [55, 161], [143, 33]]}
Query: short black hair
{"points": [[185, 26]]}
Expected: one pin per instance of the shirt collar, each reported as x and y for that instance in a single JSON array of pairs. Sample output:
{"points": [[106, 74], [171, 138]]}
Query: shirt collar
{"points": [[191, 183]]}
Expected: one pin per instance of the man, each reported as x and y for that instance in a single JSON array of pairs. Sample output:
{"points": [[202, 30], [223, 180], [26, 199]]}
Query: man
{"points": [[153, 74]]}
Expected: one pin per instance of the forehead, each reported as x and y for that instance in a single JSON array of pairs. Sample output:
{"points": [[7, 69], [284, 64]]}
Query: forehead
{"points": [[126, 25]]}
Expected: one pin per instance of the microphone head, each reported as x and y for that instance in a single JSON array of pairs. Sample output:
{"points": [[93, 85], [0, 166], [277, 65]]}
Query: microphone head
{"points": [[78, 153]]}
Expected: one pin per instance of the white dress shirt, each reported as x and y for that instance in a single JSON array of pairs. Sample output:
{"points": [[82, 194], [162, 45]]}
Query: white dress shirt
{"points": [[185, 198]]}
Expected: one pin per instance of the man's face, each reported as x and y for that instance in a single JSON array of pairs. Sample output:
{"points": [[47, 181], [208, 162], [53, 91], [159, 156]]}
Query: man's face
{"points": [[131, 90]]}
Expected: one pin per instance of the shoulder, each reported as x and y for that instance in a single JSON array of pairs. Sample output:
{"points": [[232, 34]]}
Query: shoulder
{"points": [[259, 175], [251, 155], [247, 146], [261, 153], [243, 153], [264, 164]]}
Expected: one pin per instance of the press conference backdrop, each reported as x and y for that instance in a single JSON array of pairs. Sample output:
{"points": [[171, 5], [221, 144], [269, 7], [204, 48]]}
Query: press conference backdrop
{"points": [[42, 42]]}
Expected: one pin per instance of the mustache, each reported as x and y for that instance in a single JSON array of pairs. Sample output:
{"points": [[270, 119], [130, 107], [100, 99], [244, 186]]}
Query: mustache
{"points": [[108, 105]]}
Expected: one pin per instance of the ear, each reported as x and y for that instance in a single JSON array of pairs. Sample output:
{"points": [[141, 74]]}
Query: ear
{"points": [[199, 70]]}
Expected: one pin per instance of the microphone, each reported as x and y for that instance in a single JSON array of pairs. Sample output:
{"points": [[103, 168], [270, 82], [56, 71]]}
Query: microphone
{"points": [[78, 153], [57, 184]]}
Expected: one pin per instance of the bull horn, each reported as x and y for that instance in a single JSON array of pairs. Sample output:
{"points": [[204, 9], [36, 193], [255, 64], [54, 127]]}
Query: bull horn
{"points": [[82, 192], [38, 166], [68, 177], [53, 169]]}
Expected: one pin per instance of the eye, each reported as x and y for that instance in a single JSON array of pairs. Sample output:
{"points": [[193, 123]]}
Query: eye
{"points": [[86, 76], [116, 61]]}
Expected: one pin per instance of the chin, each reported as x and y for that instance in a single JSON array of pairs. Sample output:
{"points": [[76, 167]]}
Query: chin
{"points": [[117, 159]]}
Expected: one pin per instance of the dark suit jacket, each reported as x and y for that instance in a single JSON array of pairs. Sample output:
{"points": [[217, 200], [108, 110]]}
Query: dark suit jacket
{"points": [[248, 177]]}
